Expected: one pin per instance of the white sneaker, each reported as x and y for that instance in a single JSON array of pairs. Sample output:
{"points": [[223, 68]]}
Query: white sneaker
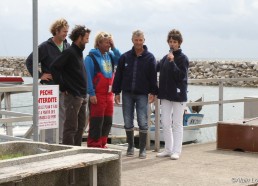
{"points": [[164, 154], [174, 156]]}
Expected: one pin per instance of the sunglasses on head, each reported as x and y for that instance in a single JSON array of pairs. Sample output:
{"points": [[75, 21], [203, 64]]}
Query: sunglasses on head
{"points": [[106, 35]]}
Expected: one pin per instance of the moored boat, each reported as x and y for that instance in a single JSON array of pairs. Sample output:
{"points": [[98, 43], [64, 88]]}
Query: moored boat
{"points": [[11, 80], [193, 117], [189, 135]]}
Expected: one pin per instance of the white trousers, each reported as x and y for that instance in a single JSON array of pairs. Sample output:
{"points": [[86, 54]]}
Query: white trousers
{"points": [[172, 123]]}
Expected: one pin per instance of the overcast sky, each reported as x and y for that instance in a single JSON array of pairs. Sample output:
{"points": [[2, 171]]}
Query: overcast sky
{"points": [[211, 29]]}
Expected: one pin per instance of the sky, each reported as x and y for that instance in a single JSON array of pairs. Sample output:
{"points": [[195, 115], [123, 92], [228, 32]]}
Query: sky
{"points": [[221, 29]]}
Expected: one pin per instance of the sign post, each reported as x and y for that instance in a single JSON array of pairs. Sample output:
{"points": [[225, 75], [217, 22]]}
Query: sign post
{"points": [[35, 70]]}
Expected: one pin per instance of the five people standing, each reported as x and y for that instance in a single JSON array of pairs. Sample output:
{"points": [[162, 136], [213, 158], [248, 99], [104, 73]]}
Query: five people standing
{"points": [[135, 77], [173, 68], [100, 71]]}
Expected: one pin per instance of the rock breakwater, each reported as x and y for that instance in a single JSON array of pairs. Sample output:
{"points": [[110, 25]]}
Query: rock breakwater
{"points": [[197, 70], [13, 66], [225, 69]]}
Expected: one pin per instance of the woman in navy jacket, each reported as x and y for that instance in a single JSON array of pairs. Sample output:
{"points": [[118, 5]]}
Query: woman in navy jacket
{"points": [[173, 69]]}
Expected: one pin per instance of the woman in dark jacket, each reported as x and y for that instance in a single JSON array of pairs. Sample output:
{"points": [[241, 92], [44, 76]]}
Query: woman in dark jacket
{"points": [[173, 70]]}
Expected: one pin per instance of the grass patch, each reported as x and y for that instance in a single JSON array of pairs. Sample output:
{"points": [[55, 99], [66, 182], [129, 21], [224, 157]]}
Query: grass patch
{"points": [[10, 156]]}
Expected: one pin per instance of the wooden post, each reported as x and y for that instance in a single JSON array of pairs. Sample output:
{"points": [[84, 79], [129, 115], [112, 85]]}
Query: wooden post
{"points": [[7, 101]]}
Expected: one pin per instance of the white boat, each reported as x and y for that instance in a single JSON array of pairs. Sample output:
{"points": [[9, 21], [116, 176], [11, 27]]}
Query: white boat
{"points": [[190, 118], [189, 135]]}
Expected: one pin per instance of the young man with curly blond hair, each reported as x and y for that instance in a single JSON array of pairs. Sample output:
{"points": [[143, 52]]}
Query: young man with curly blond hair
{"points": [[48, 51]]}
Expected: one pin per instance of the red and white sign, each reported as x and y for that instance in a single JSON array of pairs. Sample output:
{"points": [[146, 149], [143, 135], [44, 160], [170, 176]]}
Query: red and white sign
{"points": [[48, 106]]}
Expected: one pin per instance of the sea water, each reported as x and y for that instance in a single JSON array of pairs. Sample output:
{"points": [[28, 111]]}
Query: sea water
{"points": [[233, 111]]}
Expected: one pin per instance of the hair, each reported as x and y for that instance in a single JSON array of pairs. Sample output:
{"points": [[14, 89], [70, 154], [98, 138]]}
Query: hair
{"points": [[137, 33], [175, 35], [100, 37], [79, 30], [58, 25]]}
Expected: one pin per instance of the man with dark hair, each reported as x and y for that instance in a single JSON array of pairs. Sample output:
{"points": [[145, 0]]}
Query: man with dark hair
{"points": [[48, 51], [69, 72]]}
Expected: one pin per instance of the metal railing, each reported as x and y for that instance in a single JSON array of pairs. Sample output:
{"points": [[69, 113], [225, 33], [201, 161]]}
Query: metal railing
{"points": [[12, 116], [220, 102], [6, 91]]}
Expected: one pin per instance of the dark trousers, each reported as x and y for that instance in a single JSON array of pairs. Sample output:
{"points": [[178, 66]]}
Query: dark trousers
{"points": [[75, 111]]}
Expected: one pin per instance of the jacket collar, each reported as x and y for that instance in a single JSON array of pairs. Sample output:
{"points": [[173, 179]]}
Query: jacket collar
{"points": [[143, 53], [177, 52]]}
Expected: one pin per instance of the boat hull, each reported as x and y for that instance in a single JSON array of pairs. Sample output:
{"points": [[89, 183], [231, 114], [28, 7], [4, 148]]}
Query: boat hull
{"points": [[189, 135], [16, 80]]}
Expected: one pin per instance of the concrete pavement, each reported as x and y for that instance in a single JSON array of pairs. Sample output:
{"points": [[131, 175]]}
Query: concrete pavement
{"points": [[199, 165]]}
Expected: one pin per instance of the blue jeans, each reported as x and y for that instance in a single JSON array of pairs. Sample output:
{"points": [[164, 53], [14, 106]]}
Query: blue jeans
{"points": [[138, 101]]}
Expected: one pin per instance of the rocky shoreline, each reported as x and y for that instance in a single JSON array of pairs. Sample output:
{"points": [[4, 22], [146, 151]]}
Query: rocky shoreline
{"points": [[13, 66], [197, 70]]}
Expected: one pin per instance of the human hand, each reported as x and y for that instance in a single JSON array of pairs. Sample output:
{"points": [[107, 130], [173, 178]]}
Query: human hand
{"points": [[93, 99], [111, 42], [117, 99], [151, 98], [170, 57], [46, 76]]}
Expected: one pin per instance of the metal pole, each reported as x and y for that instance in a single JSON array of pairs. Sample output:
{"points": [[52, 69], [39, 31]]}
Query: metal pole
{"points": [[148, 132], [157, 124], [221, 99], [35, 70]]}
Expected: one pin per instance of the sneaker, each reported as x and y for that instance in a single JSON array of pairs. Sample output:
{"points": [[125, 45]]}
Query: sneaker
{"points": [[164, 154], [174, 156]]}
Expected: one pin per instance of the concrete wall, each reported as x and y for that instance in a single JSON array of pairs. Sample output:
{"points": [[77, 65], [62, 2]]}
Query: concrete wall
{"points": [[61, 165]]}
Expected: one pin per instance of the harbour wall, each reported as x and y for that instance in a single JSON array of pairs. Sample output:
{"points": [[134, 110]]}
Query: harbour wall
{"points": [[198, 69]]}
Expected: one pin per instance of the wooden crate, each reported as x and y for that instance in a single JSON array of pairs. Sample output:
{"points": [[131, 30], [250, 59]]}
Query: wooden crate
{"points": [[238, 136]]}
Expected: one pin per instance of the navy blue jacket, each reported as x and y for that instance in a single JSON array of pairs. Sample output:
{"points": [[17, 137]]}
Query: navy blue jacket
{"points": [[136, 75], [48, 51], [173, 77], [69, 72]]}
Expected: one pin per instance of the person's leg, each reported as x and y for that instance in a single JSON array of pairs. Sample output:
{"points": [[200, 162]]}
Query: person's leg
{"points": [[166, 121], [142, 111], [108, 118], [96, 123], [177, 125], [49, 135], [81, 123], [72, 107], [142, 114], [128, 114], [61, 116]]}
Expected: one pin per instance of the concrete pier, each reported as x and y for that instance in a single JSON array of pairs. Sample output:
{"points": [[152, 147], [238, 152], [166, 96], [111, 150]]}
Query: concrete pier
{"points": [[199, 165]]}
